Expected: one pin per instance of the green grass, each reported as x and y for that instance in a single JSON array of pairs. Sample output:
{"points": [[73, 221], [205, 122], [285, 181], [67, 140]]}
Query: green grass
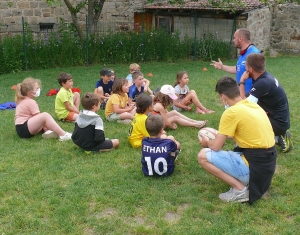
{"points": [[52, 187]]}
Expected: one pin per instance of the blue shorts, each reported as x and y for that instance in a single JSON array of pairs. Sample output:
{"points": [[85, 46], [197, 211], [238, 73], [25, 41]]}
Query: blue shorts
{"points": [[230, 162]]}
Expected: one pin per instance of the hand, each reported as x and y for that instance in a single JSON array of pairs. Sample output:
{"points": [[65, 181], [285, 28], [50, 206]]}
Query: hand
{"points": [[217, 65], [106, 94], [132, 106], [203, 141], [244, 76], [174, 126]]}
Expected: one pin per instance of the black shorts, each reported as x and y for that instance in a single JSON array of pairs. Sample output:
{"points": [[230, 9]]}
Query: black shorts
{"points": [[277, 131], [107, 144], [22, 130]]}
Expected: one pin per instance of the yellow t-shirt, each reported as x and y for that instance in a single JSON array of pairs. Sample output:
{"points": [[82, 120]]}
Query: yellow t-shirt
{"points": [[248, 124], [63, 96], [115, 99], [137, 130]]}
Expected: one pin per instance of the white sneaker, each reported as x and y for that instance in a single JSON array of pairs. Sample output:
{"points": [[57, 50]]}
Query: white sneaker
{"points": [[49, 134], [234, 195], [67, 136]]}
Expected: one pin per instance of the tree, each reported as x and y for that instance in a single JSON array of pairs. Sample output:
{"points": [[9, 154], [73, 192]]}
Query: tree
{"points": [[94, 11]]}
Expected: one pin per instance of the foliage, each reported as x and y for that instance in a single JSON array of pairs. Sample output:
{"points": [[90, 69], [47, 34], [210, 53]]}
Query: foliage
{"points": [[209, 47], [52, 187], [65, 48]]}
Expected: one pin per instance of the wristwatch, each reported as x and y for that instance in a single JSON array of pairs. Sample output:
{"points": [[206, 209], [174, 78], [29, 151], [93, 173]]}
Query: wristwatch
{"points": [[241, 83]]}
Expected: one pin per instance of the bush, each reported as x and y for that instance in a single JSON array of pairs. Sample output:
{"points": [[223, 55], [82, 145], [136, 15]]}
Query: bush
{"points": [[64, 48]]}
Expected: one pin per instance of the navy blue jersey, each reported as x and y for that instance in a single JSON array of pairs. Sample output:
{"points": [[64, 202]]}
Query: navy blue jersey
{"points": [[134, 92], [272, 98], [156, 156], [107, 88]]}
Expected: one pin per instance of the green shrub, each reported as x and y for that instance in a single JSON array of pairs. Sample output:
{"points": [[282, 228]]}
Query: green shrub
{"points": [[64, 48]]}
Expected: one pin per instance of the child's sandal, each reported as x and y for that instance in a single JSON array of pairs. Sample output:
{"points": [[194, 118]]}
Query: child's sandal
{"points": [[201, 124]]}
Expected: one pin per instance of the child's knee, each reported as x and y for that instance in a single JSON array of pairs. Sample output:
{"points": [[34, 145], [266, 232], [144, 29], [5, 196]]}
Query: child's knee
{"points": [[202, 157]]}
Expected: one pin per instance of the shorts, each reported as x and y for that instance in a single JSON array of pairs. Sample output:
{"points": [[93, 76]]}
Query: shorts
{"points": [[230, 162], [69, 118], [22, 130], [107, 144], [178, 109], [113, 117], [277, 131]]}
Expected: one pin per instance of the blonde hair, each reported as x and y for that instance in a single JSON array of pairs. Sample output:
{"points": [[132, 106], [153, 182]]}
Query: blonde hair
{"points": [[134, 66], [23, 88]]}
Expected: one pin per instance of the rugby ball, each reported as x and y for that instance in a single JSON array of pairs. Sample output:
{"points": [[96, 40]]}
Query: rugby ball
{"points": [[209, 132]]}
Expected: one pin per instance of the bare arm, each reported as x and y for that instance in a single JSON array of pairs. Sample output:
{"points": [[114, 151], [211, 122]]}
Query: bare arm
{"points": [[119, 110], [215, 144], [70, 108], [219, 65]]}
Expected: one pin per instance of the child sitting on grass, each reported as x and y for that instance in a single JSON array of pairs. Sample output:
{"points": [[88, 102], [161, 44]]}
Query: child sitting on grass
{"points": [[28, 118], [117, 108], [158, 154], [186, 96], [162, 100], [89, 130], [137, 130], [66, 102], [136, 68], [103, 87], [137, 87]]}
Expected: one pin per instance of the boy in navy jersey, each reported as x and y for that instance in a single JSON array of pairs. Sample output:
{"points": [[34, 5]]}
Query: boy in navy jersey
{"points": [[103, 87], [158, 155]]}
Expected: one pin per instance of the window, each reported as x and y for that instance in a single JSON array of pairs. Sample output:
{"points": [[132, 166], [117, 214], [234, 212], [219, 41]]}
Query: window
{"points": [[165, 22], [48, 27]]}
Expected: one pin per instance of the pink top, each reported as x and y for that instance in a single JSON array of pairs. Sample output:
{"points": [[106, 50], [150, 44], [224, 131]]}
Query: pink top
{"points": [[26, 109]]}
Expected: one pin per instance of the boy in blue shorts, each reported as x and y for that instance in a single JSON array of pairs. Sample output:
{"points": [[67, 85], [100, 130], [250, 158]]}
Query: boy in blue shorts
{"points": [[103, 87], [250, 168], [158, 154]]}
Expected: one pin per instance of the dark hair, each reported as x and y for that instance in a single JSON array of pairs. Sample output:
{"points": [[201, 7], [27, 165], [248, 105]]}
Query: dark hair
{"points": [[64, 77], [179, 76], [245, 33], [228, 86], [88, 100], [154, 124], [117, 86], [165, 100], [136, 74], [143, 101], [256, 61]]}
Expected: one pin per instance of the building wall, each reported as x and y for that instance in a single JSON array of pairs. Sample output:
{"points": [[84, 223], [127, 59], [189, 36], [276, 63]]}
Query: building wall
{"points": [[275, 30]]}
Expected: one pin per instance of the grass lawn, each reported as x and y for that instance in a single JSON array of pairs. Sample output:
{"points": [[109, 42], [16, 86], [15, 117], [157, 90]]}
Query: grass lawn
{"points": [[52, 187]]}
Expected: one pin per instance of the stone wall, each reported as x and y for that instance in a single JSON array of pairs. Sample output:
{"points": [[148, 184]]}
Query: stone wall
{"points": [[275, 30], [285, 30]]}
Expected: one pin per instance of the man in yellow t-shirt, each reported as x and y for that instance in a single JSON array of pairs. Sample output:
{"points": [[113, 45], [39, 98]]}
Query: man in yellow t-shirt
{"points": [[249, 170]]}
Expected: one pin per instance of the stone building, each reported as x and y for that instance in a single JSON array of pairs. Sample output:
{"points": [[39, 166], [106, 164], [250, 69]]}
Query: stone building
{"points": [[274, 29]]}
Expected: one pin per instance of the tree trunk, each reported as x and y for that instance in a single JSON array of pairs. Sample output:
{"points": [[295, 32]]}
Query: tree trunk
{"points": [[73, 12], [94, 11]]}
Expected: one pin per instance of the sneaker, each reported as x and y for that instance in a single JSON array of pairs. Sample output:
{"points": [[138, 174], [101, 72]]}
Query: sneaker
{"points": [[125, 121], [285, 142], [49, 134], [234, 195], [65, 137], [177, 152], [102, 105]]}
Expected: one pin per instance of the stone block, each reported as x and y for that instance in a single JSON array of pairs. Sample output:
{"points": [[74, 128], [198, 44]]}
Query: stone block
{"points": [[46, 14], [47, 20], [16, 12], [33, 20], [23, 5], [6, 13], [27, 12], [37, 12], [46, 10], [34, 4], [43, 5]]}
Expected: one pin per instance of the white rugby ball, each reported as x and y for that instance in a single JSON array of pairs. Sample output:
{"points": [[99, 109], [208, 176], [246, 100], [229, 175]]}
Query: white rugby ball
{"points": [[209, 132]]}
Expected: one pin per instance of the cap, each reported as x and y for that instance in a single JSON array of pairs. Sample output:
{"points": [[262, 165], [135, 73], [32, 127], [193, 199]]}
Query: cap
{"points": [[168, 90], [106, 72]]}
